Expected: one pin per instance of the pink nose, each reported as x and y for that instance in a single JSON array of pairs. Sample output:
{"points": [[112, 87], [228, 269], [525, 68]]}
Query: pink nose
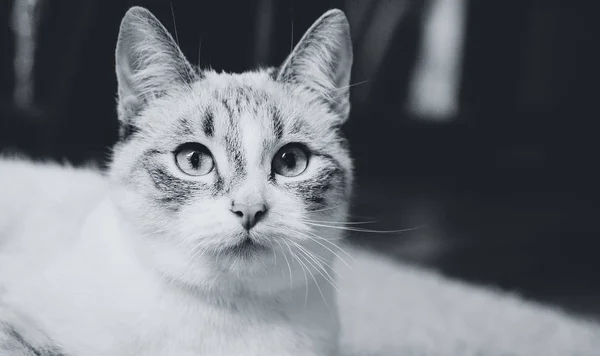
{"points": [[249, 213]]}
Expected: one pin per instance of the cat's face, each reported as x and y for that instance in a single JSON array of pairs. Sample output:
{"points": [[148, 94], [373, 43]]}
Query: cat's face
{"points": [[230, 178]]}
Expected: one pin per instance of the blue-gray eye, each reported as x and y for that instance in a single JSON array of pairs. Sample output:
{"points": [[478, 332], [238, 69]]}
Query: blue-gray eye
{"points": [[194, 159], [290, 161]]}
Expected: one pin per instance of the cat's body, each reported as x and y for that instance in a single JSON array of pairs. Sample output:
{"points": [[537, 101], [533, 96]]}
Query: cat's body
{"points": [[78, 280], [205, 237], [386, 309], [214, 230]]}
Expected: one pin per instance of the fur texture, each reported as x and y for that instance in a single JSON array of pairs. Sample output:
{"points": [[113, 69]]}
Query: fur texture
{"points": [[155, 260], [152, 260], [386, 308]]}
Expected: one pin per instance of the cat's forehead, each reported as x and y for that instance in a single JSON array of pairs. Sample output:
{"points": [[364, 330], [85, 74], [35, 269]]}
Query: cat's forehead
{"points": [[247, 92], [222, 106]]}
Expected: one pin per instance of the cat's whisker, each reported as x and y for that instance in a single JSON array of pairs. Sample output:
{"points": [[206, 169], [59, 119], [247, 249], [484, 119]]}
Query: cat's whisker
{"points": [[317, 285], [315, 236], [312, 276], [321, 259], [264, 266], [340, 222], [306, 285], [282, 252], [326, 247], [288, 263], [356, 229], [317, 265], [302, 266]]}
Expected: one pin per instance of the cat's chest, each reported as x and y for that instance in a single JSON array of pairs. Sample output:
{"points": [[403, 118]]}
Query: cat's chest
{"points": [[125, 311], [218, 332], [98, 319]]}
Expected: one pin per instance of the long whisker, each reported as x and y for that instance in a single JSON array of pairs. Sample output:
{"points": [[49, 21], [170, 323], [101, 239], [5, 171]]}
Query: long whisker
{"points": [[341, 222], [315, 257], [313, 278], [275, 259], [317, 265], [356, 229], [321, 260], [287, 261], [304, 272], [316, 239]]}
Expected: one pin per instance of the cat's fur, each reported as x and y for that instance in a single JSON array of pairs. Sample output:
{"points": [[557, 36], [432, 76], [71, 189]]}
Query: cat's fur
{"points": [[386, 308], [137, 262], [147, 260]]}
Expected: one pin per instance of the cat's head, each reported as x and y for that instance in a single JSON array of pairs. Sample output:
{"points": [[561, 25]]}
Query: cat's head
{"points": [[233, 175]]}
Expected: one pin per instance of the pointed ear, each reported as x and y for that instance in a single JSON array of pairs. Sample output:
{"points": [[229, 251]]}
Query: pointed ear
{"points": [[322, 61], [148, 62]]}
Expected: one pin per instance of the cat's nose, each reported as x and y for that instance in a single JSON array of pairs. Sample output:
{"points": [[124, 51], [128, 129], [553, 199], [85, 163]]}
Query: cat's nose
{"points": [[249, 214]]}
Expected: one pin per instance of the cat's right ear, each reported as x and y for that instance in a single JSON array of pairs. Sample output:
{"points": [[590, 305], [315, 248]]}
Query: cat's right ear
{"points": [[322, 62], [148, 62]]}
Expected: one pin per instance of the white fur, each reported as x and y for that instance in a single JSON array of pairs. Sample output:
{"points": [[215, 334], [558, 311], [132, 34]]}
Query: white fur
{"points": [[391, 308], [101, 301], [79, 276], [140, 263]]}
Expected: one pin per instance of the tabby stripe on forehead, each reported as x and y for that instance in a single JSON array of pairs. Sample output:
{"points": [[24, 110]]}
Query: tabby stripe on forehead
{"points": [[208, 125], [277, 123], [234, 151], [229, 109]]}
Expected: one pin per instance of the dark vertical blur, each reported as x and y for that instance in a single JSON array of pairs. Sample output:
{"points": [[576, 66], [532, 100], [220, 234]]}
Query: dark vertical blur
{"points": [[506, 184]]}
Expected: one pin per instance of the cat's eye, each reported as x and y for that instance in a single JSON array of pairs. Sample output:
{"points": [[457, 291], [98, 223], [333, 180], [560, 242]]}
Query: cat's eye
{"points": [[194, 159], [290, 161]]}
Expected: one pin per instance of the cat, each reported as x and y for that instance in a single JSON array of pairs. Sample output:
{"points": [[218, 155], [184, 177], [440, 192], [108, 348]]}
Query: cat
{"points": [[207, 235], [204, 237]]}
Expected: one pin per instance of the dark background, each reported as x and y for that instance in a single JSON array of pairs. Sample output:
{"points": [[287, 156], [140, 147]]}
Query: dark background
{"points": [[506, 186]]}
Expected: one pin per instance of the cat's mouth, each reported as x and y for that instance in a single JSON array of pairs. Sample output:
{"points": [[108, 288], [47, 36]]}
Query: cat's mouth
{"points": [[248, 247]]}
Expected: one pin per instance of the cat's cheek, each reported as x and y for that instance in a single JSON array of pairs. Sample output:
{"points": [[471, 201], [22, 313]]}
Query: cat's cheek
{"points": [[285, 209], [205, 221]]}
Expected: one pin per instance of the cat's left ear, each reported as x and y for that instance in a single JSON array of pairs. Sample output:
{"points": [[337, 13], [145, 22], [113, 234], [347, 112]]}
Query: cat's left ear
{"points": [[322, 62], [148, 62]]}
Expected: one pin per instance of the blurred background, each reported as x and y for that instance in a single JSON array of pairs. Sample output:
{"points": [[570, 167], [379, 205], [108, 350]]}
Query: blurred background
{"points": [[473, 120]]}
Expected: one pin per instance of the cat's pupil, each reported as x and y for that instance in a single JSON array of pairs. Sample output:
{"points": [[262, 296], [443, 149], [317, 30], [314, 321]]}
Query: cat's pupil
{"points": [[195, 159], [289, 159]]}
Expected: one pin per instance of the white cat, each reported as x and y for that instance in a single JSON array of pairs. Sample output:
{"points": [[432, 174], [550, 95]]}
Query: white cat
{"points": [[205, 238], [208, 235]]}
